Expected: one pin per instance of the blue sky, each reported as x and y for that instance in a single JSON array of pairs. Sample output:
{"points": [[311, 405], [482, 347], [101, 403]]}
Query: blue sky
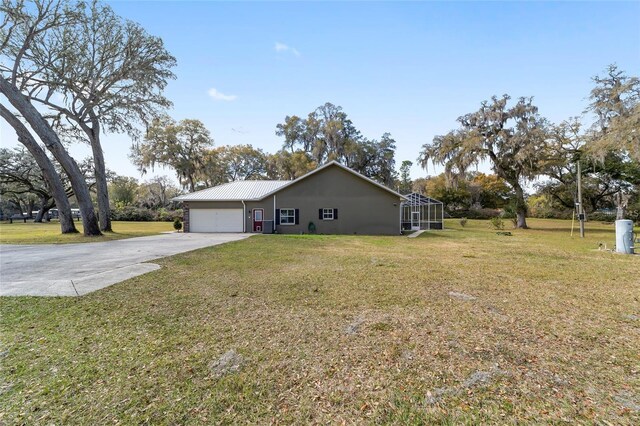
{"points": [[405, 68]]}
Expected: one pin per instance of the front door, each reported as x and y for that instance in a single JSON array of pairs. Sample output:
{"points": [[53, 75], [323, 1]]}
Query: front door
{"points": [[415, 221], [257, 220]]}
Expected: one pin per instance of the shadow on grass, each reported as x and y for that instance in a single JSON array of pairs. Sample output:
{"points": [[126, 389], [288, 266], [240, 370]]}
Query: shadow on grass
{"points": [[568, 230], [434, 234]]}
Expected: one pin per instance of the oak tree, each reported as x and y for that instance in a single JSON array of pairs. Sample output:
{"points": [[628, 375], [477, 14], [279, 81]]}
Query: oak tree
{"points": [[511, 138], [20, 27], [47, 170], [615, 101], [327, 134], [181, 146], [111, 80]]}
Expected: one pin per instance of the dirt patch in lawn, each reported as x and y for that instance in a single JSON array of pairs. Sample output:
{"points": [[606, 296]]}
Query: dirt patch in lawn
{"points": [[477, 379], [229, 362], [462, 296]]}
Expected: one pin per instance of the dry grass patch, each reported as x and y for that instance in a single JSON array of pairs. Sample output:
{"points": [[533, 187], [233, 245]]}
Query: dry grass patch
{"points": [[328, 329]]}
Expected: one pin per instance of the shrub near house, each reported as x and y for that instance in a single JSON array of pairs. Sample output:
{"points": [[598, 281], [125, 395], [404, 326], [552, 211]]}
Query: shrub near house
{"points": [[141, 214]]}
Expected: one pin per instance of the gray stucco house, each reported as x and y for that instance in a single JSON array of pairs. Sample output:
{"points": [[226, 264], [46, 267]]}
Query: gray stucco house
{"points": [[332, 199]]}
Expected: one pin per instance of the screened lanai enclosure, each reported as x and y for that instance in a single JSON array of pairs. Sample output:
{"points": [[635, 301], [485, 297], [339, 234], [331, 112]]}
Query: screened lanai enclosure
{"points": [[421, 212]]}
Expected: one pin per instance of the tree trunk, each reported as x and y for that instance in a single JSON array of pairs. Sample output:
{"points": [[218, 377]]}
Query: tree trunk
{"points": [[521, 208], [30, 205], [100, 172], [48, 170], [52, 142], [40, 210], [45, 206]]}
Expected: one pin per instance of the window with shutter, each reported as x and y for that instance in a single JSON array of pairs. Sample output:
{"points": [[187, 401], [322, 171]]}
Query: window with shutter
{"points": [[327, 214], [287, 216]]}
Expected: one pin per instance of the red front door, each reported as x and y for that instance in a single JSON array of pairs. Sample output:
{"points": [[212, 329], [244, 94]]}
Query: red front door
{"points": [[257, 220]]}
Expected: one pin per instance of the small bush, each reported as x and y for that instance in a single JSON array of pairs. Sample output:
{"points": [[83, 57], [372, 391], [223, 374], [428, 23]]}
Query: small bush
{"points": [[551, 214], [601, 217], [463, 222], [511, 212], [132, 214], [497, 223], [177, 224], [164, 215], [143, 214]]}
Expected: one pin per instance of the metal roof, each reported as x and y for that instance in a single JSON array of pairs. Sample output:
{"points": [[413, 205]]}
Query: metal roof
{"points": [[416, 199], [255, 190], [242, 190]]}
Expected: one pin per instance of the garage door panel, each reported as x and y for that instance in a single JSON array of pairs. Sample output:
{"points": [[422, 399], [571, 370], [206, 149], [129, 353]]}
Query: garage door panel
{"points": [[215, 220]]}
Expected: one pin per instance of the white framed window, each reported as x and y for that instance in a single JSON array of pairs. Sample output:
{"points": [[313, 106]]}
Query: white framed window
{"points": [[287, 216], [327, 214]]}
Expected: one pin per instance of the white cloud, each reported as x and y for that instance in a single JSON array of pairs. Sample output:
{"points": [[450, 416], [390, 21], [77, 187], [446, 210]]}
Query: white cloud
{"points": [[281, 47], [213, 92]]}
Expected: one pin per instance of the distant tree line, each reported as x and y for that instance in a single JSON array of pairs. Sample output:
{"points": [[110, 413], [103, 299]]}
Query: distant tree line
{"points": [[24, 186], [523, 147], [325, 135], [149, 200], [24, 189], [473, 195], [72, 71]]}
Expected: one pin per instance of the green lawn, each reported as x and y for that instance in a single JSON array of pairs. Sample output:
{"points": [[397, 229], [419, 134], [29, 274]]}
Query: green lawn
{"points": [[342, 329], [47, 233]]}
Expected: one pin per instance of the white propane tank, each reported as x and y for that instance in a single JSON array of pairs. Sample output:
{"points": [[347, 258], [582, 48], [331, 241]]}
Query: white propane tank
{"points": [[624, 236]]}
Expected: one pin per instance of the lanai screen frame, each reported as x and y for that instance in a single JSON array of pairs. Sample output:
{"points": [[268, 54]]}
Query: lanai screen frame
{"points": [[423, 205]]}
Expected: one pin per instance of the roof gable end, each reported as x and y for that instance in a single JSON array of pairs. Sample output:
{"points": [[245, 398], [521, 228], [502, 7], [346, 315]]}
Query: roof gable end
{"points": [[336, 164]]}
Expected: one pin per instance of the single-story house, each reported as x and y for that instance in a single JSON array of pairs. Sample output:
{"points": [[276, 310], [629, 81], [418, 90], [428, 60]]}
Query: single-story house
{"points": [[332, 199]]}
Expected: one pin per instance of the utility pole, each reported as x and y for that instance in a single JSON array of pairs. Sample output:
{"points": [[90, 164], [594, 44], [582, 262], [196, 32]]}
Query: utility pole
{"points": [[580, 208]]}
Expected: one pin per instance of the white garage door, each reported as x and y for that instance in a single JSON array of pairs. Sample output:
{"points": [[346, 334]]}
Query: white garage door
{"points": [[215, 220]]}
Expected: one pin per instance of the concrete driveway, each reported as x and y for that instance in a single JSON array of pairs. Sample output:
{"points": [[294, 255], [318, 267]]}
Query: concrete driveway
{"points": [[78, 269]]}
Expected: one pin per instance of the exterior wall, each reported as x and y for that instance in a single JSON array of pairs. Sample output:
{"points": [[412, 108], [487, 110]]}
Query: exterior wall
{"points": [[363, 208], [266, 205]]}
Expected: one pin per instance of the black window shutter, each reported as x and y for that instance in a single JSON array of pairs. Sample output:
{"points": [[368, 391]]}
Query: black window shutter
{"points": [[335, 213], [277, 216], [297, 216], [320, 214]]}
